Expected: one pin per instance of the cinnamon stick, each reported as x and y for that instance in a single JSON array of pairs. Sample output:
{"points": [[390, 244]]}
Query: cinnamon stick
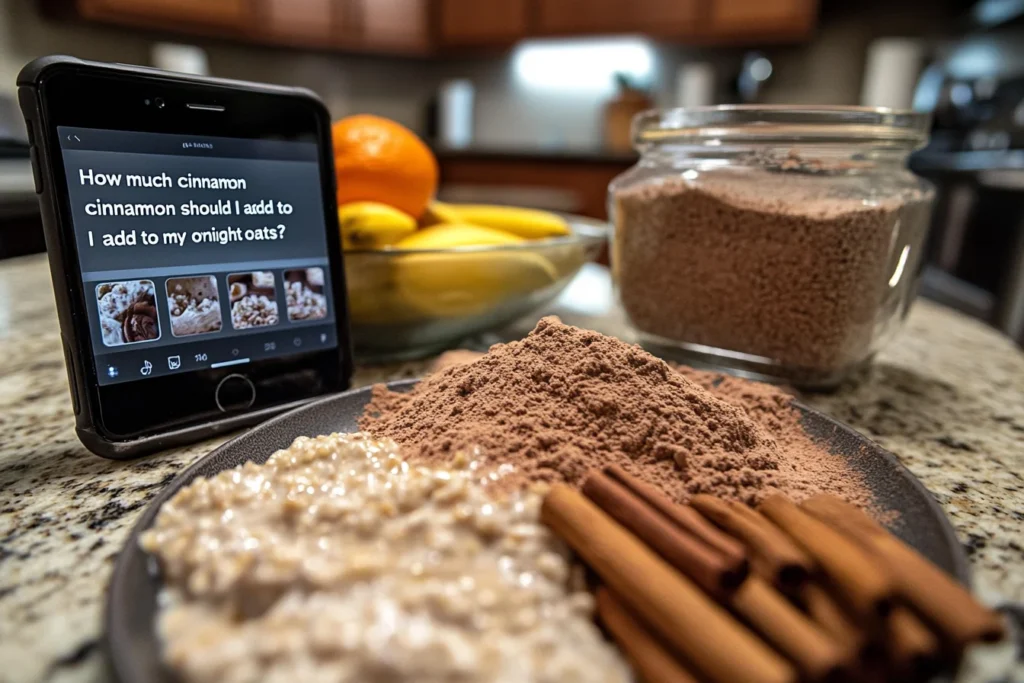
{"points": [[711, 570], [830, 616], [912, 649], [673, 607], [773, 553], [943, 602], [867, 587], [683, 516], [816, 655], [648, 657]]}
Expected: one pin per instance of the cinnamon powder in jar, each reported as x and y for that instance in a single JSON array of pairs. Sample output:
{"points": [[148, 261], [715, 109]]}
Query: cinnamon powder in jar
{"points": [[787, 265]]}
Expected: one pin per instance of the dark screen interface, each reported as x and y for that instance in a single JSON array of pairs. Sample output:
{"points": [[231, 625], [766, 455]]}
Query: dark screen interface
{"points": [[197, 252]]}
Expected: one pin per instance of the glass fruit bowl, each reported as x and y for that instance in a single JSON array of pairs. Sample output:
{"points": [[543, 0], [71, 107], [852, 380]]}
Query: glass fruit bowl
{"points": [[408, 304]]}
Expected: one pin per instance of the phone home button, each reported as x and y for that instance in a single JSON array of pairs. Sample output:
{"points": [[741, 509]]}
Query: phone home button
{"points": [[235, 392]]}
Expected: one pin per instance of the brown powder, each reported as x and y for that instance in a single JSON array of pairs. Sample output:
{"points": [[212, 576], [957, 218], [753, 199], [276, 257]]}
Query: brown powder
{"points": [[807, 467], [564, 401], [777, 265]]}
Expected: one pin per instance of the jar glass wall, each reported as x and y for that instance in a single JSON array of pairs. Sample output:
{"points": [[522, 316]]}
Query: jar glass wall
{"points": [[781, 243]]}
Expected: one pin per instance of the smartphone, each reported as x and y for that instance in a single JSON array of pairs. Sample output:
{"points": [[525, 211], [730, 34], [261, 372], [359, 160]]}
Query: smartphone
{"points": [[192, 237]]}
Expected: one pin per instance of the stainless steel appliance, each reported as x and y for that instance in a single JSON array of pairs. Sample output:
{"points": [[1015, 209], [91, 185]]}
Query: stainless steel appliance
{"points": [[975, 91]]}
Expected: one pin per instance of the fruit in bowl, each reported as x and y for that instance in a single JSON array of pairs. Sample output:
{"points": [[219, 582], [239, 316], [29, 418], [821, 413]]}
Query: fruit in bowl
{"points": [[382, 161], [423, 274]]}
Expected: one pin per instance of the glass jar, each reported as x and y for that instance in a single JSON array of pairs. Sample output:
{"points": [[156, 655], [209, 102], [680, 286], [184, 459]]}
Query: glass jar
{"points": [[780, 243]]}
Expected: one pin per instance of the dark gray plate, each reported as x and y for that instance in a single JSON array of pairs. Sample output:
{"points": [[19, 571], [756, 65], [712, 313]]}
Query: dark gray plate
{"points": [[131, 640]]}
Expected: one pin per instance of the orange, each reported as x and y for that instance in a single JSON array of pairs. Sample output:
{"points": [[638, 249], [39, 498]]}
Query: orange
{"points": [[378, 160]]}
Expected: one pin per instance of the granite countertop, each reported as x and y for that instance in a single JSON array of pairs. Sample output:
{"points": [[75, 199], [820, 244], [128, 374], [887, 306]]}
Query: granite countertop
{"points": [[946, 396]]}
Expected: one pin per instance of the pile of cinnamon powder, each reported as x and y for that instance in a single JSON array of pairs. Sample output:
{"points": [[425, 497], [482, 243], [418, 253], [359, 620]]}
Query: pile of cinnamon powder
{"points": [[564, 400], [808, 469]]}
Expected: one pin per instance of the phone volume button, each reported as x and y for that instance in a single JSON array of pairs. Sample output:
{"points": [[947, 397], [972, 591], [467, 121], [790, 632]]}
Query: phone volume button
{"points": [[37, 173]]}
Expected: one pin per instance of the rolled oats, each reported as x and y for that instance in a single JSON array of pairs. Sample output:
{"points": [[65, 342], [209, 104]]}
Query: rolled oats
{"points": [[253, 310], [338, 561], [304, 303]]}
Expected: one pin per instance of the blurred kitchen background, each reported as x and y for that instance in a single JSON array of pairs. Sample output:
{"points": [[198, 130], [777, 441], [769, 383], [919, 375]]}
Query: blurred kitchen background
{"points": [[528, 102]]}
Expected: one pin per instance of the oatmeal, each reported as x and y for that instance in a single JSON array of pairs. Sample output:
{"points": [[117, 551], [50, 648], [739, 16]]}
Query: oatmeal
{"points": [[253, 310], [304, 303], [262, 279], [127, 312], [338, 561], [253, 299], [194, 305], [304, 292]]}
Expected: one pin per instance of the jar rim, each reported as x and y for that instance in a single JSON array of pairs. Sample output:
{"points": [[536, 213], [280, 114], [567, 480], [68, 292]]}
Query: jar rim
{"points": [[781, 123]]}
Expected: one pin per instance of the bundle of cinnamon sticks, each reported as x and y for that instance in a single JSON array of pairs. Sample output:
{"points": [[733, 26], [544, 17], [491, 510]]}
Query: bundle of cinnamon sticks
{"points": [[718, 591]]}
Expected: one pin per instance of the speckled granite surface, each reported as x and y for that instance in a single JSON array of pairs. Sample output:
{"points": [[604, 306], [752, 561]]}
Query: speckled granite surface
{"points": [[947, 397]]}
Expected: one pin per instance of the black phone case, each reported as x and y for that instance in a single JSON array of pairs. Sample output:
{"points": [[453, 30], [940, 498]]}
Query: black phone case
{"points": [[82, 398]]}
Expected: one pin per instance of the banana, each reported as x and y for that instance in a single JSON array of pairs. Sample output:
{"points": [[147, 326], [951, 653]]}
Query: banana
{"points": [[371, 225], [462, 283], [531, 224], [456, 235], [452, 285], [438, 213]]}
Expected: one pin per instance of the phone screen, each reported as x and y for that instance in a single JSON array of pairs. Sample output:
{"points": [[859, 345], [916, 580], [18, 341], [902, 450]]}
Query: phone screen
{"points": [[197, 252]]}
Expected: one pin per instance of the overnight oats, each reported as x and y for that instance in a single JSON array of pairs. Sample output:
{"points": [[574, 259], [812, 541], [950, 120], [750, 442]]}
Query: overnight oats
{"points": [[194, 305], [339, 561], [304, 292], [253, 299], [127, 312]]}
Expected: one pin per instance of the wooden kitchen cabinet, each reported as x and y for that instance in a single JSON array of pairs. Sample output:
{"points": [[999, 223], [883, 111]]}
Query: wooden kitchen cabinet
{"points": [[567, 17], [761, 19], [391, 26], [661, 18], [385, 26], [303, 23], [474, 23], [212, 15], [426, 27]]}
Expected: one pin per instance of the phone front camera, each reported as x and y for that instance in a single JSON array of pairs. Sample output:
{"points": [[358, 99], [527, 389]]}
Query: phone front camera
{"points": [[159, 102]]}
